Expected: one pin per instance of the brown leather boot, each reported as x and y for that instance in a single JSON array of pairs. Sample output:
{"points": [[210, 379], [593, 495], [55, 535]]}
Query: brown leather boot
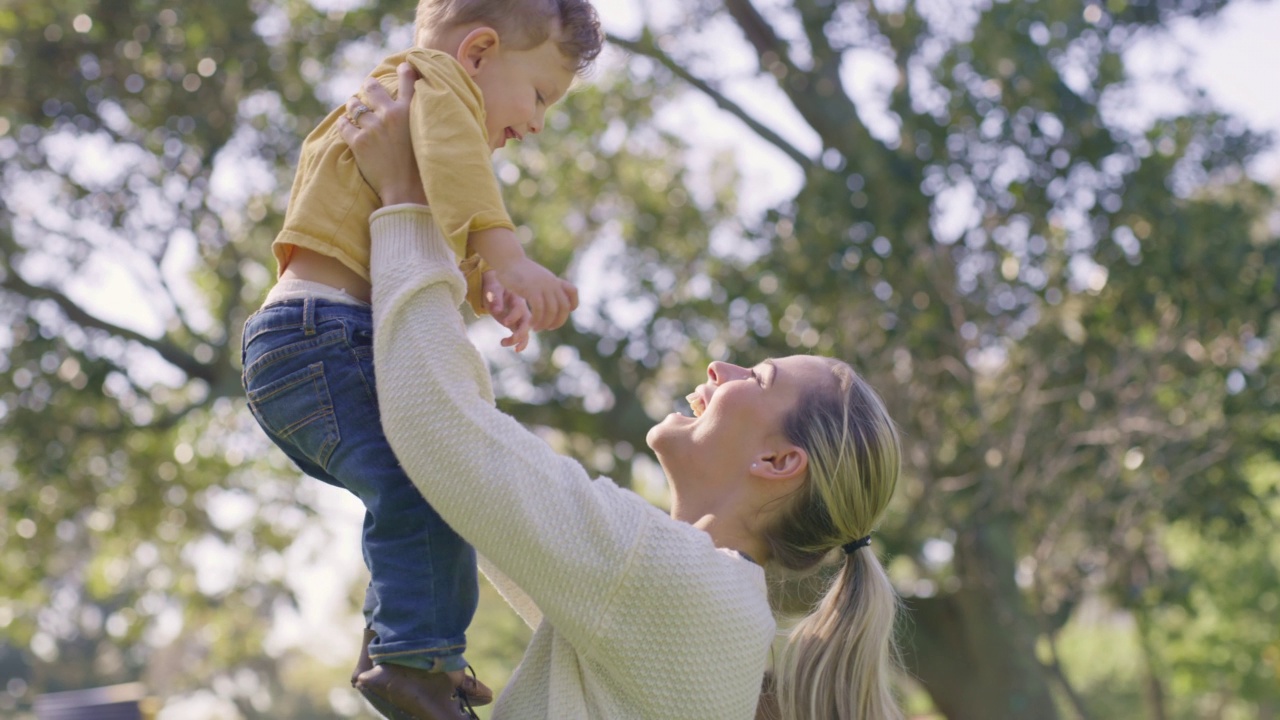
{"points": [[364, 663], [473, 691], [404, 693]]}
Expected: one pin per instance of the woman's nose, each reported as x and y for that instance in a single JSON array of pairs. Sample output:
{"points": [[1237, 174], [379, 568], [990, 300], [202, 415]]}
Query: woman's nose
{"points": [[721, 372]]}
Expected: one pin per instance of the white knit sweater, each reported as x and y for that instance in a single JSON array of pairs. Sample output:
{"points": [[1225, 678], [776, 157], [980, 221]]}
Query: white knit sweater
{"points": [[636, 615]]}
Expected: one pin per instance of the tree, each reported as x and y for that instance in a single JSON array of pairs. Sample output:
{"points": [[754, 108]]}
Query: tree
{"points": [[1050, 358], [130, 465], [146, 148], [1072, 318]]}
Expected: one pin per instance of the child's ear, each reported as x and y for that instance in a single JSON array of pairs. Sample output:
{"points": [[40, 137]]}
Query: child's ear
{"points": [[478, 48]]}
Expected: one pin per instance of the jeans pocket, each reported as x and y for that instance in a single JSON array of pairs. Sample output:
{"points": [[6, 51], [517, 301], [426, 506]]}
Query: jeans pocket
{"points": [[297, 410]]}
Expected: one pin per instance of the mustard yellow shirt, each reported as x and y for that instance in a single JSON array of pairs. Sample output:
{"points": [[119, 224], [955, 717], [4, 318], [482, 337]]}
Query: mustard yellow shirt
{"points": [[330, 203]]}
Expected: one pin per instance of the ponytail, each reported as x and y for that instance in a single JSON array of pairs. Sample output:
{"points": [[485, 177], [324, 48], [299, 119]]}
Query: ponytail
{"points": [[838, 662]]}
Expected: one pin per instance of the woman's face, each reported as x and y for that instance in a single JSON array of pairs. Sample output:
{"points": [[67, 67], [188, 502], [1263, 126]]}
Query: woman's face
{"points": [[738, 414]]}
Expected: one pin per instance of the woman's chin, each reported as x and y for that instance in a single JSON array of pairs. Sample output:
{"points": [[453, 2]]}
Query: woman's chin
{"points": [[667, 431]]}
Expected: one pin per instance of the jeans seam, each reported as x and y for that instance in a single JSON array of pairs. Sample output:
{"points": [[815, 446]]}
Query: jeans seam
{"points": [[283, 353], [315, 377], [370, 389], [398, 653], [272, 326], [286, 432], [315, 369], [347, 334]]}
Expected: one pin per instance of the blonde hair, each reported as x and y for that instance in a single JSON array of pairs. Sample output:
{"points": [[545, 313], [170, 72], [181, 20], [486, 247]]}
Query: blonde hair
{"points": [[839, 660], [522, 24]]}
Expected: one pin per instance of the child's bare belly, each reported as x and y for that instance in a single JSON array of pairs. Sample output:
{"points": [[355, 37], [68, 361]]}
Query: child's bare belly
{"points": [[310, 265]]}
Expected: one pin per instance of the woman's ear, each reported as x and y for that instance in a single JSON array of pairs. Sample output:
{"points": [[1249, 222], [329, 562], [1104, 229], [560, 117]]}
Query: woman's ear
{"points": [[785, 463], [477, 49]]}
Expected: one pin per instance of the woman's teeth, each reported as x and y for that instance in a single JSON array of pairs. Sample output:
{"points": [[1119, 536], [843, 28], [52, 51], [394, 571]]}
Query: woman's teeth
{"points": [[696, 403]]}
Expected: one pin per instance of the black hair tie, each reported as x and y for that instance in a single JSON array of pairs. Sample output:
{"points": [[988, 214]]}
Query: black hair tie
{"points": [[850, 547]]}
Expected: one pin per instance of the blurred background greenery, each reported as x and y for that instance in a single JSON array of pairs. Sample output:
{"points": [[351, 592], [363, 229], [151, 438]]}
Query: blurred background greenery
{"points": [[1068, 300]]}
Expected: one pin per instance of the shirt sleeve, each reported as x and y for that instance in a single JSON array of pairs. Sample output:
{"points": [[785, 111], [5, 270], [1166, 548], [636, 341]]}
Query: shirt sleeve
{"points": [[451, 146], [473, 269], [566, 540]]}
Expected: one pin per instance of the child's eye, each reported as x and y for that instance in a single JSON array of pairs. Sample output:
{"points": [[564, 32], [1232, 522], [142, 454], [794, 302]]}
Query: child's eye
{"points": [[539, 96]]}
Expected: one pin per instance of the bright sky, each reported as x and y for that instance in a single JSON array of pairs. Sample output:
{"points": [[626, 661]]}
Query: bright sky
{"points": [[1238, 58], [1234, 58]]}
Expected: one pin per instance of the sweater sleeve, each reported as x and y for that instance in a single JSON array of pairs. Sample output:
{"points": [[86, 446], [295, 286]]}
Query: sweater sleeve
{"points": [[519, 601], [566, 540], [451, 145]]}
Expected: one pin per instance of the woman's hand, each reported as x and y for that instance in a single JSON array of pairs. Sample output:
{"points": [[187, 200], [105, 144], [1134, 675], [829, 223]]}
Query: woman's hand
{"points": [[379, 138]]}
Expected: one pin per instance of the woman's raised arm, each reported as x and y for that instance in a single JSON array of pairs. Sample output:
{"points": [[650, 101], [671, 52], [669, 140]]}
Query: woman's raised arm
{"points": [[534, 514]]}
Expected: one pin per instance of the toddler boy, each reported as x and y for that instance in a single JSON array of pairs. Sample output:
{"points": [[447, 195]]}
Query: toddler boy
{"points": [[488, 70]]}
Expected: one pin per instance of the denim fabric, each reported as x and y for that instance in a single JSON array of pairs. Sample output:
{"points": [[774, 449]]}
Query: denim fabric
{"points": [[308, 374]]}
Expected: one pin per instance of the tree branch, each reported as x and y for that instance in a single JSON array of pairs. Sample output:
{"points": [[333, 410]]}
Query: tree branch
{"points": [[1054, 666], [171, 295], [231, 303], [171, 353], [769, 47], [814, 18], [818, 95], [647, 48]]}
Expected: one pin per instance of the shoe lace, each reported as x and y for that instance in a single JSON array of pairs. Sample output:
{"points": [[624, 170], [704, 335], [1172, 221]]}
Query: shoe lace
{"points": [[464, 702]]}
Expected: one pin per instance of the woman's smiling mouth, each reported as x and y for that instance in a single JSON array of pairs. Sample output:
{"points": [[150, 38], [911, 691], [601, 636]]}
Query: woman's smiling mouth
{"points": [[696, 404]]}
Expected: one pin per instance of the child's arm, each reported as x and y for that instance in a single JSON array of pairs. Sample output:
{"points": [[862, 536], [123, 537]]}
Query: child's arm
{"points": [[550, 298], [454, 160], [400, 182], [452, 150]]}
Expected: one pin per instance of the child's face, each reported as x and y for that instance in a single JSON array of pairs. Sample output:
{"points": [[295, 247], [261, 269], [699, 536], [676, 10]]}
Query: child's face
{"points": [[518, 87]]}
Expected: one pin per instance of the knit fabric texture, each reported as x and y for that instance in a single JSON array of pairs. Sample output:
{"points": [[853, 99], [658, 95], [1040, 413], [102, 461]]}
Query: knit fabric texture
{"points": [[635, 614]]}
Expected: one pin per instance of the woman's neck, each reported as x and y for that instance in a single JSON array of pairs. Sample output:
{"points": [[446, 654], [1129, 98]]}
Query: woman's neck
{"points": [[727, 531], [728, 508]]}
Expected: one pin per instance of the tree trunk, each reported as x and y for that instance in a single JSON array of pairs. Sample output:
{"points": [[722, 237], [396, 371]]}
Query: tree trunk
{"points": [[1153, 687], [974, 649]]}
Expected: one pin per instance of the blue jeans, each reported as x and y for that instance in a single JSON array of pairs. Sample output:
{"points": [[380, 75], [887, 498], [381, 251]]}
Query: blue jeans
{"points": [[308, 374]]}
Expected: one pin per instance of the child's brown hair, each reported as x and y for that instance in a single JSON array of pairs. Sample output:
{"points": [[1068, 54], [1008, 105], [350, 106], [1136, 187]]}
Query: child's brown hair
{"points": [[523, 24]]}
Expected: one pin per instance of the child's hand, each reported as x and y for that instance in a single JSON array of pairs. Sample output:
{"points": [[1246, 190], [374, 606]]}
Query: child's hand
{"points": [[550, 298], [509, 309]]}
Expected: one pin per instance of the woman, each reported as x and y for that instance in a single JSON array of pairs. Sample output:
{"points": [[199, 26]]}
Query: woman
{"points": [[638, 614]]}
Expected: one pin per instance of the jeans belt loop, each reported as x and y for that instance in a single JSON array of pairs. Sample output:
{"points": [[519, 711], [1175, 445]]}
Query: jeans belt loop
{"points": [[309, 315]]}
